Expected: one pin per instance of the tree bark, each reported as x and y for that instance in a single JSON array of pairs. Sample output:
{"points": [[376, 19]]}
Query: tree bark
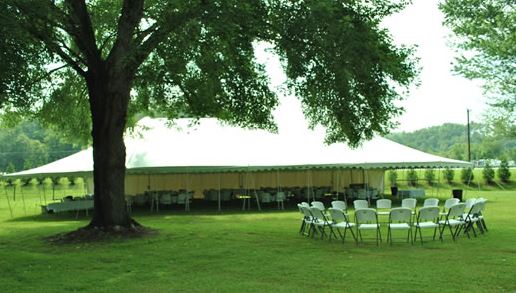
{"points": [[109, 97]]}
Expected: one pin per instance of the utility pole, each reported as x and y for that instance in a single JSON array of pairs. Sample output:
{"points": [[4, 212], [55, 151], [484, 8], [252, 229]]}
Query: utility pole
{"points": [[469, 138]]}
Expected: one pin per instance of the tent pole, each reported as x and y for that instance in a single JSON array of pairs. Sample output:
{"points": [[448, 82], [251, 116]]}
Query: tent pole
{"points": [[44, 192], [307, 188], [256, 196], [23, 201], [218, 200], [8, 201]]}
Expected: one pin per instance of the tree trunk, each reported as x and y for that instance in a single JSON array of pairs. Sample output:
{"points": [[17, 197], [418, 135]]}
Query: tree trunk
{"points": [[109, 97]]}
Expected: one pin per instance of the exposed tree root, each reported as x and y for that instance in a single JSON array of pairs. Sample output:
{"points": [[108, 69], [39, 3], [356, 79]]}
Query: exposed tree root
{"points": [[100, 234]]}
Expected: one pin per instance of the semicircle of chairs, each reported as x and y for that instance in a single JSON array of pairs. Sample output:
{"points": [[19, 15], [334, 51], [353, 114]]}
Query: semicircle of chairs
{"points": [[454, 216]]}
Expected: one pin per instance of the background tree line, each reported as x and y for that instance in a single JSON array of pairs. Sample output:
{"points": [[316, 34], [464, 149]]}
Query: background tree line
{"points": [[29, 144], [449, 140]]}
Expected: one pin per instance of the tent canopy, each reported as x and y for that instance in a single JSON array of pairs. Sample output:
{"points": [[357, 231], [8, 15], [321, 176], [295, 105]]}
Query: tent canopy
{"points": [[158, 147]]}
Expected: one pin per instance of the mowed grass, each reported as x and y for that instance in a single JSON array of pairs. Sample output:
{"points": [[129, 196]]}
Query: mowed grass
{"points": [[204, 251]]}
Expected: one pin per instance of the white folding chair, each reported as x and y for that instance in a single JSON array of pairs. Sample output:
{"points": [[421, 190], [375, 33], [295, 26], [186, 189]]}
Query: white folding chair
{"points": [[319, 205], [280, 198], [427, 218], [383, 206], [447, 204], [472, 218], [367, 219], [341, 221], [360, 204], [431, 202], [453, 219], [321, 222], [339, 204], [400, 219], [308, 219]]}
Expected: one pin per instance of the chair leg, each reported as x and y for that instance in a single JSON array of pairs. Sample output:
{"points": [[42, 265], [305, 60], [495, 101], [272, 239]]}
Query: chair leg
{"points": [[302, 229], [352, 234]]}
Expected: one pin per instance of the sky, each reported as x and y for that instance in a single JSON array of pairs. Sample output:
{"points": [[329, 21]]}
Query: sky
{"points": [[441, 97]]}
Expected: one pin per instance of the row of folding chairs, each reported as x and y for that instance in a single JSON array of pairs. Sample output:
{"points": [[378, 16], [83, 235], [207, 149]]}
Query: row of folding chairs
{"points": [[336, 221]]}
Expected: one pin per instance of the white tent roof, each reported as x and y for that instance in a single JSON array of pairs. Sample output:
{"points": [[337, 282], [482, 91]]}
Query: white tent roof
{"points": [[212, 147]]}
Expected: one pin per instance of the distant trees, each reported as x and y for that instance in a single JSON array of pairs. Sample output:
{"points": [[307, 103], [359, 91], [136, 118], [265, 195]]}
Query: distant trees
{"points": [[449, 140], [29, 145]]}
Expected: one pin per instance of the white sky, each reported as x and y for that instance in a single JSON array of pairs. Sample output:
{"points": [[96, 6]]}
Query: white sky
{"points": [[441, 97]]}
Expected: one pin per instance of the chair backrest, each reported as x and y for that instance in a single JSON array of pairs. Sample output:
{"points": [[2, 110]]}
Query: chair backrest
{"points": [[366, 215], [305, 204], [400, 215], [470, 202], [456, 210], [338, 215], [475, 208], [450, 201], [383, 204], [306, 212], [409, 203], [426, 214], [360, 204], [339, 204], [319, 205], [431, 202], [318, 214]]}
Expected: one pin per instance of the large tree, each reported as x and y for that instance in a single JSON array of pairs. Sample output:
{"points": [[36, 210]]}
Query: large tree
{"points": [[486, 42], [196, 58]]}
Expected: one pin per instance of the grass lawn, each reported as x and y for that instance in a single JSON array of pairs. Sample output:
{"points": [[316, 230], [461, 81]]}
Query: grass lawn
{"points": [[250, 251]]}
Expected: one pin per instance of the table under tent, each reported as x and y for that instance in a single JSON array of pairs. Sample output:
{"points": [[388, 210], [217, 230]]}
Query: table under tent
{"points": [[174, 164]]}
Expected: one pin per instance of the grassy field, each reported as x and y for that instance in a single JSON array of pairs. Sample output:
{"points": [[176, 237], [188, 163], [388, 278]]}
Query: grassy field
{"points": [[204, 251]]}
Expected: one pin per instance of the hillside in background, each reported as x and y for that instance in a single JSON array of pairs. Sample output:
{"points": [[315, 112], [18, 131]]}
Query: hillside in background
{"points": [[450, 140], [29, 145]]}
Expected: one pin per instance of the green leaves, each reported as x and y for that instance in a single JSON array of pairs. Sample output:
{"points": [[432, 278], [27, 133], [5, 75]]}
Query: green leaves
{"points": [[486, 41], [342, 66], [196, 59]]}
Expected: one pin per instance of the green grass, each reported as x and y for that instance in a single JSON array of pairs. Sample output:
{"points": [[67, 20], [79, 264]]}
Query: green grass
{"points": [[249, 251]]}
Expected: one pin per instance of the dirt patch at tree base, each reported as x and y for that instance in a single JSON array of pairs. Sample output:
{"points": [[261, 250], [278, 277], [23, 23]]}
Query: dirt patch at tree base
{"points": [[90, 234]]}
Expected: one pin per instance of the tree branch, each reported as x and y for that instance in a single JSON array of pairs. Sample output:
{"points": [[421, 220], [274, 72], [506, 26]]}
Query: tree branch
{"points": [[132, 12], [81, 30]]}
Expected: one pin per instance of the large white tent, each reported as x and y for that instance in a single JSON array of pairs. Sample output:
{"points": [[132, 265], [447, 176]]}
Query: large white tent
{"points": [[199, 156]]}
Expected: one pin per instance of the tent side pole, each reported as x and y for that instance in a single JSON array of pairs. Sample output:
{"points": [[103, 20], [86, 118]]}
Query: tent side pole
{"points": [[218, 200], [8, 202], [23, 201], [256, 196]]}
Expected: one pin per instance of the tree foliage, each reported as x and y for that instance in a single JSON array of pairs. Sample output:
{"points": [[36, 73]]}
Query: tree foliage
{"points": [[448, 175], [29, 145], [449, 140], [503, 172], [103, 63], [430, 176], [412, 177], [486, 41], [466, 175], [393, 177]]}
